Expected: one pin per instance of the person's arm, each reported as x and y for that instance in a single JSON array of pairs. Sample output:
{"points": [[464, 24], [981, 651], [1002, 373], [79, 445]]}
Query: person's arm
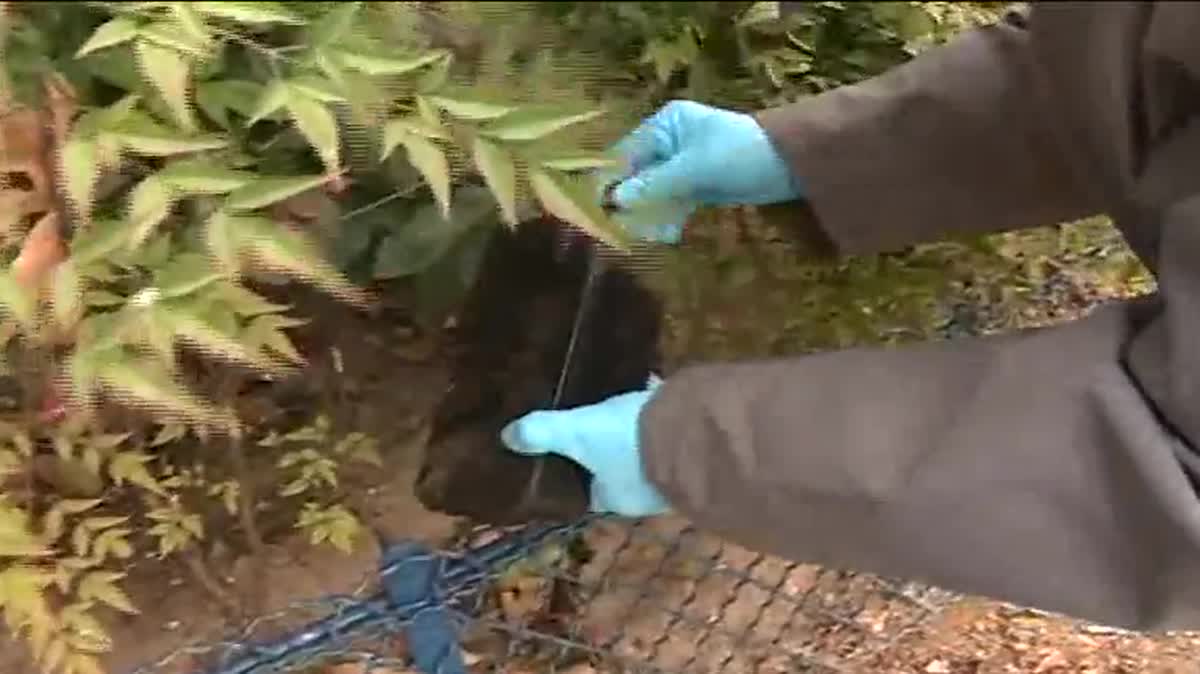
{"points": [[901, 158], [1052, 468]]}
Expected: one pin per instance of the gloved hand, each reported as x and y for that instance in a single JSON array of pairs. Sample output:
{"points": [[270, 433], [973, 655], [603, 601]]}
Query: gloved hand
{"points": [[688, 155], [603, 438]]}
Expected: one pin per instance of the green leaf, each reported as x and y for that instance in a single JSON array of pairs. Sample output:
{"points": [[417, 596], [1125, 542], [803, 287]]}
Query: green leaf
{"points": [[471, 110], [149, 204], [80, 172], [525, 125], [249, 12], [319, 127], [67, 295], [185, 273], [169, 73], [572, 201], [267, 190], [498, 170], [380, 65], [426, 237], [110, 34], [274, 97], [203, 177], [429, 159]]}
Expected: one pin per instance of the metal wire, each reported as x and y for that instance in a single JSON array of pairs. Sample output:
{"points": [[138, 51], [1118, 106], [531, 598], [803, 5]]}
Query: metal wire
{"points": [[655, 597]]}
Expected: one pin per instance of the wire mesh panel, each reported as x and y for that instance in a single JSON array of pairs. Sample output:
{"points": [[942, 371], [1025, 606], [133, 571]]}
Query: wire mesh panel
{"points": [[611, 596]]}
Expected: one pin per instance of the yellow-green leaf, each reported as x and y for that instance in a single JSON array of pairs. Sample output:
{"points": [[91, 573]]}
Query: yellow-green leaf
{"points": [[496, 165], [207, 335], [267, 190], [173, 36], [397, 129], [246, 302], [16, 540], [168, 143], [114, 542], [580, 163], [80, 663], [282, 249], [149, 204], [131, 466], [274, 97], [429, 159], [316, 88], [429, 112], [52, 658], [170, 74], [102, 298], [17, 300], [67, 294], [203, 177], [190, 22], [249, 12], [145, 383], [80, 170], [471, 110], [266, 331], [334, 25], [221, 239], [567, 199], [110, 33], [184, 274], [102, 586], [381, 65], [98, 241], [217, 97], [525, 125], [318, 126], [81, 541]]}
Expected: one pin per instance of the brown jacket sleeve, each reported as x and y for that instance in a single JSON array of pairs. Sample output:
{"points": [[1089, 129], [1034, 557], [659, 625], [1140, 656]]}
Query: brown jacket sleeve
{"points": [[1051, 468], [956, 140]]}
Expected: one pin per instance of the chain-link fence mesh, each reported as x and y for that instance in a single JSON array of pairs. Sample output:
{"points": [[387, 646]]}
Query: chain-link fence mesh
{"points": [[599, 596]]}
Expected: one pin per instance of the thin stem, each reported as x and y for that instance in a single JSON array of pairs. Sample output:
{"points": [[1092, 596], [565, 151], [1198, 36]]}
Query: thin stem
{"points": [[196, 565]]}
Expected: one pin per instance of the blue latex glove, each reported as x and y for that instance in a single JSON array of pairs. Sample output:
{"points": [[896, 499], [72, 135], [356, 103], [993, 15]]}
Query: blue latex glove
{"points": [[603, 438], [689, 155]]}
